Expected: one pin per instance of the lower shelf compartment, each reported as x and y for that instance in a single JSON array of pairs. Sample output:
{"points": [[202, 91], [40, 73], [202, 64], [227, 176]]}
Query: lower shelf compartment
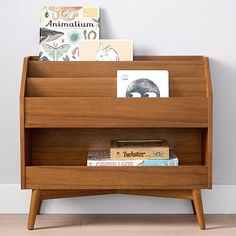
{"points": [[84, 177]]}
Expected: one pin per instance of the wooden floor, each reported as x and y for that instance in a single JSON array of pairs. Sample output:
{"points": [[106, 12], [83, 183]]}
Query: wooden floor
{"points": [[112, 225]]}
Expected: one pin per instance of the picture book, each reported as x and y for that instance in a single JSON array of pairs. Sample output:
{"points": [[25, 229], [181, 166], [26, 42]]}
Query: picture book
{"points": [[103, 158], [93, 154], [106, 50], [62, 29], [139, 149], [146, 162], [142, 83], [139, 143]]}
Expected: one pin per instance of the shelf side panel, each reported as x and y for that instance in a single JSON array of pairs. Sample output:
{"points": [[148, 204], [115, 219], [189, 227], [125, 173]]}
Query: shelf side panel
{"points": [[24, 135], [207, 135]]}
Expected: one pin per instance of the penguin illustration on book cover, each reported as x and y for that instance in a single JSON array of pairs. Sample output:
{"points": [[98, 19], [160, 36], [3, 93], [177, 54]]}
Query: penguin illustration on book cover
{"points": [[142, 88]]}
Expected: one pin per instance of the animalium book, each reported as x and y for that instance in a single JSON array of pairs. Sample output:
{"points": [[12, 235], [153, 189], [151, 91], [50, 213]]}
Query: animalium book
{"points": [[62, 29], [106, 50]]}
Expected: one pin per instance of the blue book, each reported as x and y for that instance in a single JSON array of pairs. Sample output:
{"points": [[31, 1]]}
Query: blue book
{"points": [[96, 161], [166, 162]]}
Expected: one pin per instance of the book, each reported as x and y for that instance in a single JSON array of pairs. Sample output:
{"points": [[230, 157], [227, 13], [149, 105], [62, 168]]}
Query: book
{"points": [[139, 149], [142, 83], [101, 158], [62, 29], [109, 162], [106, 50], [139, 143], [98, 154]]}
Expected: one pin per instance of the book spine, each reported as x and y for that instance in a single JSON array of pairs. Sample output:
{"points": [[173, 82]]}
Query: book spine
{"points": [[169, 162], [135, 153]]}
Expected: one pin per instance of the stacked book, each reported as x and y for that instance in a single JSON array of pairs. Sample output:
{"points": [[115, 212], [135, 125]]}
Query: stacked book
{"points": [[134, 153]]}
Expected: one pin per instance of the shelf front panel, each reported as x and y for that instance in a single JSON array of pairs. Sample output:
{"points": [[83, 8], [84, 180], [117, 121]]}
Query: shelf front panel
{"points": [[81, 69], [83, 177], [105, 87], [113, 112]]}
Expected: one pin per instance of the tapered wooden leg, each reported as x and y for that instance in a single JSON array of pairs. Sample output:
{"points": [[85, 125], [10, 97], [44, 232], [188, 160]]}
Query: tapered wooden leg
{"points": [[40, 203], [194, 212], [197, 200], [34, 208]]}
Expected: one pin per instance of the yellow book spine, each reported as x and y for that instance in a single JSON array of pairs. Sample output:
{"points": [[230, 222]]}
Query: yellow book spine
{"points": [[140, 153]]}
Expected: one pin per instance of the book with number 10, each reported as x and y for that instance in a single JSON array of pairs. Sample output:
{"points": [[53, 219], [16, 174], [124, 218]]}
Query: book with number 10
{"points": [[62, 29]]}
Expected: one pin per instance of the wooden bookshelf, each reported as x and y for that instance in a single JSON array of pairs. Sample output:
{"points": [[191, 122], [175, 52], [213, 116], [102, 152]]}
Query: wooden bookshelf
{"points": [[68, 108]]}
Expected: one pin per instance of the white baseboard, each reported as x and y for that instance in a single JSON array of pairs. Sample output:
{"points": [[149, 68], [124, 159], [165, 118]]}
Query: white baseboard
{"points": [[219, 200]]}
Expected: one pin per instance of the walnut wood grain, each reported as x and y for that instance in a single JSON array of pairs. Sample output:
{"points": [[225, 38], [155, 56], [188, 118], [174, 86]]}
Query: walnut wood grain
{"points": [[24, 135], [34, 208], [85, 177], [69, 146], [113, 112], [207, 137], [68, 108], [84, 69], [105, 87], [69, 193], [197, 201], [179, 193]]}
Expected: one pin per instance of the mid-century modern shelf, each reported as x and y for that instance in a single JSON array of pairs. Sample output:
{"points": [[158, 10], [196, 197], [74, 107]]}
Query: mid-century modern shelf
{"points": [[68, 108]]}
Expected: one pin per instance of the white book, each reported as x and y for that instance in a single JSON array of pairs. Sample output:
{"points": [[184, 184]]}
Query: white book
{"points": [[142, 83], [106, 50]]}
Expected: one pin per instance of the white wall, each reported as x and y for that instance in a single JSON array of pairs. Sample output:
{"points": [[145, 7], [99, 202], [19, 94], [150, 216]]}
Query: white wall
{"points": [[158, 27]]}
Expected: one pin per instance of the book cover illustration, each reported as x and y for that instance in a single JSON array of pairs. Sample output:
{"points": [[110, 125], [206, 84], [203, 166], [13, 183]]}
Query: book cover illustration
{"points": [[142, 83], [62, 29], [106, 50]]}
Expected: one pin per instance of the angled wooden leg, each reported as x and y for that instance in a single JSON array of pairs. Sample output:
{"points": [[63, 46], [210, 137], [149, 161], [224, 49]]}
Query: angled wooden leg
{"points": [[34, 208], [40, 203], [197, 200], [194, 212]]}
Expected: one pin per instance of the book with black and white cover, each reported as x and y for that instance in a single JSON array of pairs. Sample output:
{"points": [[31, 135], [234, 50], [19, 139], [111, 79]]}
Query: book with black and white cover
{"points": [[142, 83], [62, 29]]}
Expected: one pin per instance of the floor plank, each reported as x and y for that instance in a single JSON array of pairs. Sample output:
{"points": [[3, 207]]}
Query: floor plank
{"points": [[130, 225]]}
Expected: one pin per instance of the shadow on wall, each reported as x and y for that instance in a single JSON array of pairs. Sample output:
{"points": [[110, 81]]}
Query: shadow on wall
{"points": [[106, 29], [223, 84]]}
